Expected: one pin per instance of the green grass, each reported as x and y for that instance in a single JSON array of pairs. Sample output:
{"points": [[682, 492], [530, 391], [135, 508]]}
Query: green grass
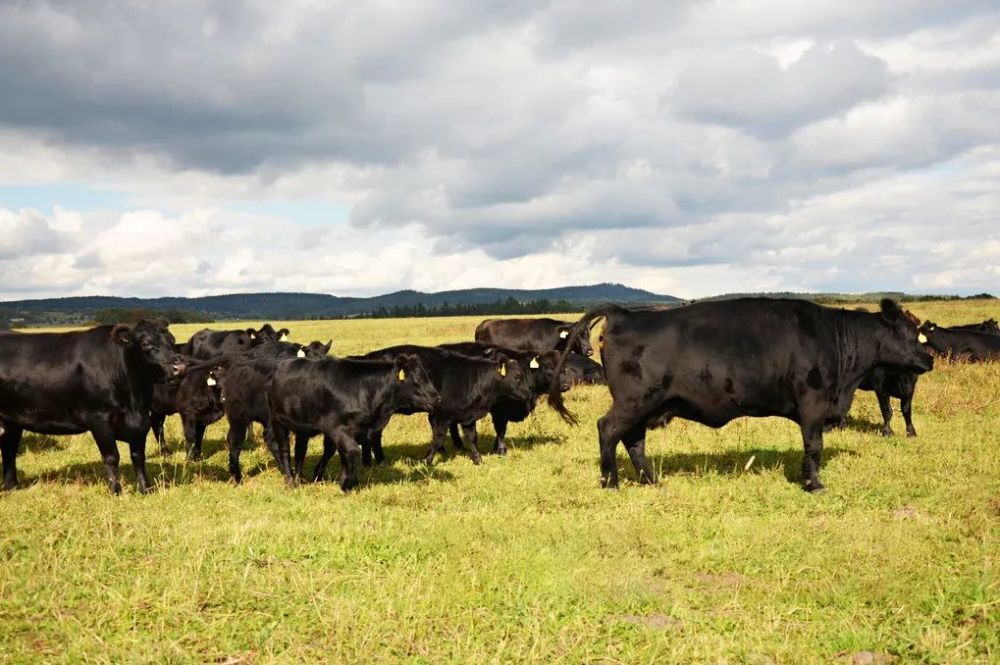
{"points": [[524, 558]]}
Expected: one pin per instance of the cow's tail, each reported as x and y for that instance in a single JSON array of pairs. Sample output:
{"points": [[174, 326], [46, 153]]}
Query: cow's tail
{"points": [[581, 327]]}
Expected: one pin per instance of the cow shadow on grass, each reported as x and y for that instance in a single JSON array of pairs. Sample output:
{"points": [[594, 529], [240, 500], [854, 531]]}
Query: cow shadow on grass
{"points": [[734, 463], [41, 442], [857, 425]]}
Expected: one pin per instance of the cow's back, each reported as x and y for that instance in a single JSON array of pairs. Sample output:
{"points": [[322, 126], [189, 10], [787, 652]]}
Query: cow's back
{"points": [[44, 376], [719, 359]]}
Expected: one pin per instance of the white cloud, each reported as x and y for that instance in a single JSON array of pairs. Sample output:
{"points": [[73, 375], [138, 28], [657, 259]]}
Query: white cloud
{"points": [[709, 146]]}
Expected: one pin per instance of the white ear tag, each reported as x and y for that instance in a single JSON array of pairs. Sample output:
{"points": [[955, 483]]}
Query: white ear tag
{"points": [[283, 337], [564, 334], [534, 363], [211, 381], [922, 338], [301, 353]]}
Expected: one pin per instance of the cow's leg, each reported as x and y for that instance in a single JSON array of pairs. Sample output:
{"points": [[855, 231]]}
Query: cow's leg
{"points": [[350, 458], [301, 448], [375, 440], [635, 444], [104, 435], [365, 441], [906, 406], [438, 431], [610, 430], [10, 440], [329, 448], [137, 451], [158, 419], [456, 438], [191, 438], [886, 408], [235, 438], [500, 425], [812, 439], [472, 436], [278, 443]]}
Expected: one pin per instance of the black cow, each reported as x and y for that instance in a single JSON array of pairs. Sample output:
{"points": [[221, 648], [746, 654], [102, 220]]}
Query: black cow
{"points": [[583, 371], [969, 345], [987, 326], [243, 383], [338, 399], [539, 335], [98, 380], [208, 343], [198, 398], [714, 361], [541, 370], [887, 383], [468, 387]]}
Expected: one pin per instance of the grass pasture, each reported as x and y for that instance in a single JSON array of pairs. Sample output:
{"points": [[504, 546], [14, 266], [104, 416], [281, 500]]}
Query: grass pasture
{"points": [[524, 558]]}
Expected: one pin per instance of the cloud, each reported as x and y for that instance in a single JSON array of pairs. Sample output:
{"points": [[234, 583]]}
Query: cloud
{"points": [[697, 147], [752, 92]]}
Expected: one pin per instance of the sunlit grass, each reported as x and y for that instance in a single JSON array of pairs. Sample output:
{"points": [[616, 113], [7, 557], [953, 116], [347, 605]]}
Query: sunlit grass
{"points": [[524, 558]]}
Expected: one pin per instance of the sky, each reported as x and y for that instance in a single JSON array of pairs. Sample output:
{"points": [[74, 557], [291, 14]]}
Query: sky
{"points": [[686, 147]]}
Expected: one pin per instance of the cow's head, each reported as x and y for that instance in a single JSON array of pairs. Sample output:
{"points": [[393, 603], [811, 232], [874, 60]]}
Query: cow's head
{"points": [[318, 349], [513, 377], [990, 325], [902, 343], [413, 384], [580, 345], [266, 334], [153, 342]]}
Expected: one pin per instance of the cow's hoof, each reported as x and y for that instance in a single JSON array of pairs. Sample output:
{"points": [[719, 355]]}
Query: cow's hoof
{"points": [[194, 457], [911, 434], [9, 486], [477, 460], [501, 451], [815, 488]]}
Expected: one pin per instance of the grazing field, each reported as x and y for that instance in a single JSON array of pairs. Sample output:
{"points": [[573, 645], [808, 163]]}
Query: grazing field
{"points": [[524, 558]]}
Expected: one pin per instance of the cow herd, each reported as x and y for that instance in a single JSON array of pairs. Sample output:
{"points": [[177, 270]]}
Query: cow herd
{"points": [[709, 362]]}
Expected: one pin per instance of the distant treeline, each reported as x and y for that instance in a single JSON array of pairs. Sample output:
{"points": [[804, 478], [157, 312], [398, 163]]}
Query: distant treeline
{"points": [[131, 315], [508, 306], [844, 298]]}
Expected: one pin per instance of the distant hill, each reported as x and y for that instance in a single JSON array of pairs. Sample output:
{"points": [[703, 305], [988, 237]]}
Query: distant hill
{"points": [[291, 306]]}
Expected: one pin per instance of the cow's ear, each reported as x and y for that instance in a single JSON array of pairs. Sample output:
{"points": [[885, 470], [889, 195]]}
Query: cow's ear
{"points": [[252, 333], [400, 361], [122, 335], [891, 312], [534, 364], [326, 347]]}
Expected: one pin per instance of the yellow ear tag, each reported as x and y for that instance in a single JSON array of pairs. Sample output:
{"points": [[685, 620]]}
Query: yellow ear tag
{"points": [[564, 334], [922, 338], [503, 369], [301, 353], [401, 375], [211, 381], [253, 336], [283, 337], [534, 363]]}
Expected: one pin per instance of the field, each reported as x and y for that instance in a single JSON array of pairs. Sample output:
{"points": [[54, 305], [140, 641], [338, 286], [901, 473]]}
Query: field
{"points": [[524, 558]]}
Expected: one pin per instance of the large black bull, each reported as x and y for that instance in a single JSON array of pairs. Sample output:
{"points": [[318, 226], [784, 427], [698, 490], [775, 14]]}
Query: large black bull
{"points": [[98, 381], [711, 362]]}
